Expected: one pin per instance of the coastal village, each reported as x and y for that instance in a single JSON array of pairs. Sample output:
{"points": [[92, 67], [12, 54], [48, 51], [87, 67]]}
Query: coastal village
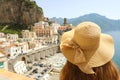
{"points": [[35, 55], [31, 51]]}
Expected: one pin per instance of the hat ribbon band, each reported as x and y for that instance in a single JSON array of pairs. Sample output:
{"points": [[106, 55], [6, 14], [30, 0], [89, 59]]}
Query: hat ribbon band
{"points": [[79, 56]]}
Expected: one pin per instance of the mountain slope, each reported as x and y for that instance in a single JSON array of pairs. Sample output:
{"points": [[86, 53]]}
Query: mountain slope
{"points": [[17, 15], [105, 23], [20, 11]]}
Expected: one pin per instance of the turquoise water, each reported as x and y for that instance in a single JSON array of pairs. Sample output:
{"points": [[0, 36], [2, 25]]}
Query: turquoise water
{"points": [[116, 37]]}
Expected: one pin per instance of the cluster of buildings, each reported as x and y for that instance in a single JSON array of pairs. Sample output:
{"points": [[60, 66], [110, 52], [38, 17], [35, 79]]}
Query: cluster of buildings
{"points": [[41, 34]]}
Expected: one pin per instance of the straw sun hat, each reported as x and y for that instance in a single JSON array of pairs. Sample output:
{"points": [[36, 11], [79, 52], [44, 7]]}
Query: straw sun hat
{"points": [[86, 47]]}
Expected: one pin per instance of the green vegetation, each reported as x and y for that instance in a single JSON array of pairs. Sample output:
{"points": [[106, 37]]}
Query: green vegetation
{"points": [[39, 9], [10, 31], [13, 28], [29, 3], [4, 27]]}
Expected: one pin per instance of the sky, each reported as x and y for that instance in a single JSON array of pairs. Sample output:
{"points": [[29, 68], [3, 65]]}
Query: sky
{"points": [[76, 8]]}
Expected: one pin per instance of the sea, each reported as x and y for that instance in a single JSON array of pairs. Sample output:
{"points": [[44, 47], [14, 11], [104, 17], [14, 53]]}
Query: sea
{"points": [[116, 37]]}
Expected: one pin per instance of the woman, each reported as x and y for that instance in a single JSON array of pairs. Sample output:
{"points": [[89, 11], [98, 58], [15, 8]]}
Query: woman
{"points": [[89, 54]]}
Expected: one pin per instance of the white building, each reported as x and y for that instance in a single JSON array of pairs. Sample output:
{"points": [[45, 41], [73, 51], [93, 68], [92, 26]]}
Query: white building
{"points": [[20, 67], [42, 23], [17, 48], [23, 47], [55, 26], [12, 50], [12, 37], [2, 39]]}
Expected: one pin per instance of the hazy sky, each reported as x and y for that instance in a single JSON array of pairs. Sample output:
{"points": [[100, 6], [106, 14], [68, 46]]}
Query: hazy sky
{"points": [[76, 8]]}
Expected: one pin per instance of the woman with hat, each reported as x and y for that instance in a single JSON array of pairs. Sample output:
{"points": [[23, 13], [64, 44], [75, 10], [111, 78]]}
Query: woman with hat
{"points": [[89, 54]]}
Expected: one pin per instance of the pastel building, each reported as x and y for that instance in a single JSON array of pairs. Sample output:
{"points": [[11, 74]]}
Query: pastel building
{"points": [[38, 42], [42, 31], [28, 34], [62, 29]]}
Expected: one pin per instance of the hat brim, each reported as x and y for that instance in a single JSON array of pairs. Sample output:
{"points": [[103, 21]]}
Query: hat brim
{"points": [[104, 53], [101, 56]]}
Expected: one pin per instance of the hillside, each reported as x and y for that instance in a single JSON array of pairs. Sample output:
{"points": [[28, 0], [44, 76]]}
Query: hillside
{"points": [[16, 15], [105, 23], [19, 11]]}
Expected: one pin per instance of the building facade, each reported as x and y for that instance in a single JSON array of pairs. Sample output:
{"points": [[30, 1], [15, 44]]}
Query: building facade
{"points": [[28, 34]]}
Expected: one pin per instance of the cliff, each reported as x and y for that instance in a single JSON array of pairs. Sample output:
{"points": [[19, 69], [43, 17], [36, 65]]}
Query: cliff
{"points": [[20, 11]]}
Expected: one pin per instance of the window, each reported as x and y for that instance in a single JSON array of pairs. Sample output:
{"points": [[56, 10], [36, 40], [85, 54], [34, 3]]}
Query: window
{"points": [[1, 64]]}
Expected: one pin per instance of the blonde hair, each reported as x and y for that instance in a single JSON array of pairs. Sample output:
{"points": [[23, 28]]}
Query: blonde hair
{"points": [[108, 71]]}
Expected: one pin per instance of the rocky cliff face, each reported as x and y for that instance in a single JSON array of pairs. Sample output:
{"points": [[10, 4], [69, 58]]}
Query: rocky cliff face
{"points": [[20, 11]]}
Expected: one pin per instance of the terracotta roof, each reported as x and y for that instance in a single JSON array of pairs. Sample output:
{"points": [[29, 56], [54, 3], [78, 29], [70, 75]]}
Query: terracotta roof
{"points": [[62, 27], [65, 27], [12, 76]]}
